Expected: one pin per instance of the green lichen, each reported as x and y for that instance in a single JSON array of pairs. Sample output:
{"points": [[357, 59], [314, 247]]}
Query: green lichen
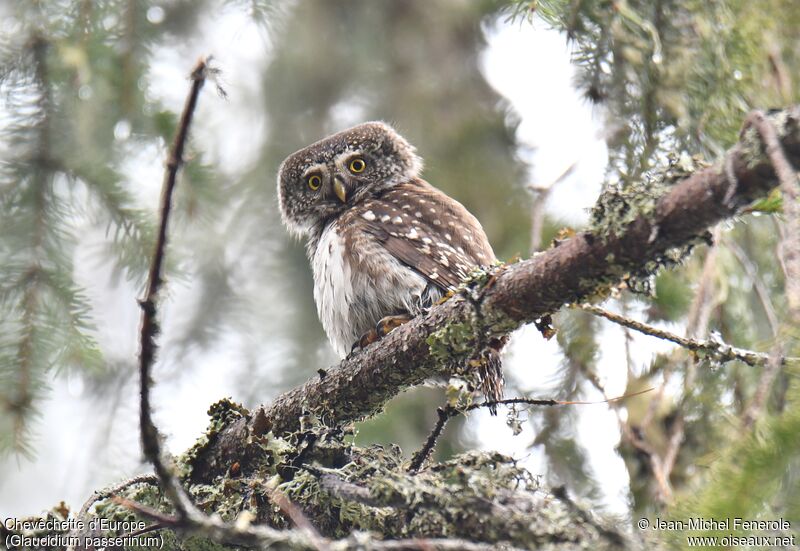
{"points": [[221, 414], [457, 341], [478, 496], [454, 341], [752, 149], [621, 203]]}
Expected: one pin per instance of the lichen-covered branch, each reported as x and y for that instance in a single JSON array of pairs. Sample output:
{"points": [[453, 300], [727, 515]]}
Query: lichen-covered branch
{"points": [[496, 303], [717, 350], [354, 497]]}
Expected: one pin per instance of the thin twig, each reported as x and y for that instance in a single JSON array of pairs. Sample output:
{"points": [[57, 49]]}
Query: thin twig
{"points": [[448, 412], [759, 400], [106, 493], [540, 196], [697, 322], [768, 375], [717, 350], [148, 512], [783, 80], [300, 520], [789, 252], [187, 517], [758, 284], [150, 328]]}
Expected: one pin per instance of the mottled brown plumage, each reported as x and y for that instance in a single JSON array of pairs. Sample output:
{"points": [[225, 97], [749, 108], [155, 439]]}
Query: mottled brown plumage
{"points": [[381, 240], [424, 229]]}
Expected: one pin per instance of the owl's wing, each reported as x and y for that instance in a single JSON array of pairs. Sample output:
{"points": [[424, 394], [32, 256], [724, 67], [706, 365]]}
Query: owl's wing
{"points": [[427, 231]]}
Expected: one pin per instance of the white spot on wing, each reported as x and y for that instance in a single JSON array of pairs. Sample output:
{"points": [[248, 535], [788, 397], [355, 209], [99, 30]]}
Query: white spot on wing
{"points": [[397, 220], [369, 215]]}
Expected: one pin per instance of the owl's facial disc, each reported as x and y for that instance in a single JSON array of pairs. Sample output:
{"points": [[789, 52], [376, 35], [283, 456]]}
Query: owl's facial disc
{"points": [[320, 181]]}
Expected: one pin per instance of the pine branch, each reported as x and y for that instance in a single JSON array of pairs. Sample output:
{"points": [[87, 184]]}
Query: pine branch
{"points": [[573, 271]]}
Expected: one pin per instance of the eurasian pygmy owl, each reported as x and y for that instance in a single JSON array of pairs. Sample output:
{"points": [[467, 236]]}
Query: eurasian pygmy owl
{"points": [[383, 243]]}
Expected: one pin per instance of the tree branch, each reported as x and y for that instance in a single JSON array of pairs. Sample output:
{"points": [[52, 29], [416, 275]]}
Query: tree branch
{"points": [[573, 271]]}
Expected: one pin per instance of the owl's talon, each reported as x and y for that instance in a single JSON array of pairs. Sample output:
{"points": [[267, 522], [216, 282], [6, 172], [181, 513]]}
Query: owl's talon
{"points": [[384, 327], [366, 339], [389, 323]]}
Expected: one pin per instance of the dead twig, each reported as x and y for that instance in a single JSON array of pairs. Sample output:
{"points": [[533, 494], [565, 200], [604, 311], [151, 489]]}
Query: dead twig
{"points": [[448, 412], [299, 519], [105, 493], [540, 196], [151, 444]]}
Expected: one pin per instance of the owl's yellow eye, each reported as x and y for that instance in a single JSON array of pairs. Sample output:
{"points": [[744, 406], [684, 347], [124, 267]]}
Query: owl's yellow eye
{"points": [[357, 165], [314, 181]]}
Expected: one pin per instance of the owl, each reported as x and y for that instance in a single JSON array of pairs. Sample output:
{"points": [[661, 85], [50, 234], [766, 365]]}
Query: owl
{"points": [[384, 244]]}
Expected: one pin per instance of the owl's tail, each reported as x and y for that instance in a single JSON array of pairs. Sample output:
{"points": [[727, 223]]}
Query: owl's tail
{"points": [[490, 372]]}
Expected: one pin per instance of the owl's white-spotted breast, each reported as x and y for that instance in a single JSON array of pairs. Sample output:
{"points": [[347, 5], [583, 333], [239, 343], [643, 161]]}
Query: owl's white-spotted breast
{"points": [[383, 243]]}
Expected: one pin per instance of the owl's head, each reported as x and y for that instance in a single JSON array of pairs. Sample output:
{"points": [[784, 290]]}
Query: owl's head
{"points": [[321, 181]]}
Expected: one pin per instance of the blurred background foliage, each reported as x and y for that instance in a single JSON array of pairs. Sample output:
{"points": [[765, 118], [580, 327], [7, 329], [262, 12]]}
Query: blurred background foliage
{"points": [[82, 113]]}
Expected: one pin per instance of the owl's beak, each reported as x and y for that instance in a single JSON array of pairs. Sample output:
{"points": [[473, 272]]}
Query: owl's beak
{"points": [[339, 189]]}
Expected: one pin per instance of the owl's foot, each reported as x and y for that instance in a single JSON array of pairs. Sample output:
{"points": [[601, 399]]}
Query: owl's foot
{"points": [[383, 328], [366, 339], [389, 323]]}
